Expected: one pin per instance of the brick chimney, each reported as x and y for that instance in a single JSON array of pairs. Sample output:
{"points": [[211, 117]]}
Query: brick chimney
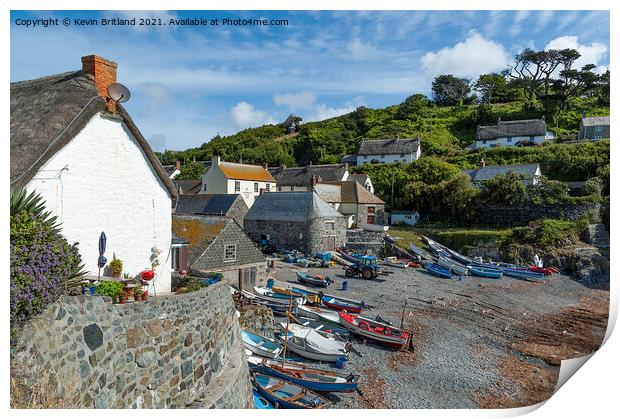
{"points": [[178, 165], [104, 72]]}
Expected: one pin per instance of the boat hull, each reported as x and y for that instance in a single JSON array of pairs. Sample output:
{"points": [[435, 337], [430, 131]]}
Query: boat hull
{"points": [[485, 272], [437, 270], [318, 385], [453, 266], [265, 385], [384, 339], [251, 341], [340, 305], [307, 279]]}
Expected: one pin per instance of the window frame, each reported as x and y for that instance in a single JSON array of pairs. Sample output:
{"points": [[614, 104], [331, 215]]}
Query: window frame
{"points": [[226, 248], [255, 187], [237, 186]]}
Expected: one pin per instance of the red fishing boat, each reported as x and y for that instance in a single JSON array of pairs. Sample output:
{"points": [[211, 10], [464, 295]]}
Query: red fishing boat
{"points": [[380, 332]]}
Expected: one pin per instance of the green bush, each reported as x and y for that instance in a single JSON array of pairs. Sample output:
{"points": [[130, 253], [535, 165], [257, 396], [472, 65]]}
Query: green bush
{"points": [[112, 289]]}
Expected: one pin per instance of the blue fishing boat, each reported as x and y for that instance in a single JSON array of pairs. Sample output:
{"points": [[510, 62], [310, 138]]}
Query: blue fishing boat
{"points": [[259, 401], [339, 304], [437, 270], [321, 381], [287, 395], [260, 345], [523, 274], [316, 280], [485, 272]]}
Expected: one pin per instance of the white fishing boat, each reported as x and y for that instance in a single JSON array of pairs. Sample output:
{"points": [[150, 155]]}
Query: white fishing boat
{"points": [[326, 315], [307, 342], [455, 267], [375, 227], [395, 263], [260, 345], [269, 295]]}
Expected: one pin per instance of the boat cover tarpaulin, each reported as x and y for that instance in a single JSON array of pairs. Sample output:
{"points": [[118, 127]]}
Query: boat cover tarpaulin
{"points": [[318, 343]]}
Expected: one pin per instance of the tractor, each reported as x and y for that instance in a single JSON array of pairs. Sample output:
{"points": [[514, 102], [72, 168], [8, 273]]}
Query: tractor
{"points": [[366, 267]]}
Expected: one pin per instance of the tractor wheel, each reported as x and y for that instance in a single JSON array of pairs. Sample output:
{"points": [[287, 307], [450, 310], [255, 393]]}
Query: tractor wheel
{"points": [[368, 274], [349, 273]]}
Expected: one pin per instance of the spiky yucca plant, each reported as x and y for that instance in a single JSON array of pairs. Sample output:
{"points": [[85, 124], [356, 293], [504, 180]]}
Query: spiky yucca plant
{"points": [[34, 204]]}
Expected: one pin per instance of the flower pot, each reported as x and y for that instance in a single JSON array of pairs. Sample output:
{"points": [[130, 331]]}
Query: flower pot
{"points": [[122, 300], [137, 297]]}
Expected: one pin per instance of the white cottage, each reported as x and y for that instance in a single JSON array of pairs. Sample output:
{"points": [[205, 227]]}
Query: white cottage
{"points": [[84, 155], [513, 133], [393, 150], [246, 180]]}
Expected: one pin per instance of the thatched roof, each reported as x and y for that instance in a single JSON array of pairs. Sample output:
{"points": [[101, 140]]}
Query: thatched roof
{"points": [[522, 128], [391, 146], [46, 113], [591, 121], [302, 176]]}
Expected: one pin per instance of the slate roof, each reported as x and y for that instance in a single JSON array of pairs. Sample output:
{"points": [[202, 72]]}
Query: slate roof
{"points": [[348, 191], [591, 121], [349, 158], [198, 231], [240, 171], [390, 146], [206, 204], [302, 176], [188, 187], [361, 178], [290, 206], [489, 172], [521, 128], [170, 168], [46, 113]]}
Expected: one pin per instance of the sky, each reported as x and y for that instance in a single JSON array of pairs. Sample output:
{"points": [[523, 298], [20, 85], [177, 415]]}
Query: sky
{"points": [[189, 84]]}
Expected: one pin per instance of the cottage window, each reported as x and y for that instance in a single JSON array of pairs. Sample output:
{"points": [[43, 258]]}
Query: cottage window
{"points": [[204, 188], [402, 155], [598, 128], [267, 187], [370, 219], [532, 138], [382, 155], [330, 225], [509, 139], [255, 186], [230, 252], [371, 210], [597, 137], [237, 186], [365, 157]]}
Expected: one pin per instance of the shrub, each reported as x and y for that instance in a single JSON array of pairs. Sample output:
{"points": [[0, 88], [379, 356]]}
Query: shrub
{"points": [[112, 289], [593, 186], [505, 189], [44, 266]]}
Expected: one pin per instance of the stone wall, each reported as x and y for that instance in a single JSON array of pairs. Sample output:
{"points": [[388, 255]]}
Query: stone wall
{"points": [[170, 351], [320, 228], [508, 216], [365, 242]]}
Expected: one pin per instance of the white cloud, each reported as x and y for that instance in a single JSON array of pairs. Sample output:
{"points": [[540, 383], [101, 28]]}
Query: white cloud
{"points": [[322, 111], [517, 27], [469, 58], [245, 115], [358, 50], [301, 100], [590, 54]]}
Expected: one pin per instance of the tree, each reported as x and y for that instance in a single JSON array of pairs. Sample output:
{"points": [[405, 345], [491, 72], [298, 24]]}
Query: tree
{"points": [[415, 105], [191, 170], [292, 123], [547, 192], [450, 90], [493, 87], [504, 189]]}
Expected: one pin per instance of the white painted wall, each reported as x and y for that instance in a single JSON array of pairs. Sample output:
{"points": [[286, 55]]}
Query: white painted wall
{"points": [[511, 141], [216, 182], [109, 185], [389, 158]]}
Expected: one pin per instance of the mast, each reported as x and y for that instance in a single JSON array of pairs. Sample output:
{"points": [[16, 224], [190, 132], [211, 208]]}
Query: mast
{"points": [[288, 319]]}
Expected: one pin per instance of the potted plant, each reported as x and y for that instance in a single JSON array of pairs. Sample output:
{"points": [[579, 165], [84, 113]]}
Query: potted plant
{"points": [[116, 267], [112, 289], [137, 294], [145, 295]]}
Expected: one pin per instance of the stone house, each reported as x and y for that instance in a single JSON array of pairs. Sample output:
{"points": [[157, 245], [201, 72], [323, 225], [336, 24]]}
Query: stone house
{"points": [[301, 178], [222, 205], [296, 221], [389, 151], [513, 133], [218, 244], [594, 128], [530, 173], [82, 152], [364, 180], [246, 180], [352, 200]]}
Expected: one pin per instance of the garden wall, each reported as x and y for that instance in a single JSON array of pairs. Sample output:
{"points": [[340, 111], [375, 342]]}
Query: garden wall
{"points": [[362, 241], [170, 351], [509, 216]]}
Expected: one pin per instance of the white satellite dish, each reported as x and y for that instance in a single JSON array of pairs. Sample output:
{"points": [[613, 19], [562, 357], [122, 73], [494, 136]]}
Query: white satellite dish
{"points": [[118, 93]]}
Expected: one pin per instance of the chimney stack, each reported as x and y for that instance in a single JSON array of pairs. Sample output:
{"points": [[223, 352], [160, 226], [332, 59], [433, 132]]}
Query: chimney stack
{"points": [[265, 166], [482, 162], [178, 165], [104, 72], [215, 161], [313, 180]]}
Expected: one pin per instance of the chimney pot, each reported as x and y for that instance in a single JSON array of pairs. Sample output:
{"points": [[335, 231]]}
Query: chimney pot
{"points": [[104, 72]]}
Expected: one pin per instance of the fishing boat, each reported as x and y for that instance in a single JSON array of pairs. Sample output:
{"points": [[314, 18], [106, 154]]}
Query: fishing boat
{"points": [[309, 343], [437, 270], [380, 332], [420, 252], [319, 313], [346, 256], [338, 304], [276, 305], [260, 345], [395, 263], [269, 295], [453, 266], [318, 380], [287, 395], [318, 325], [485, 272], [544, 271], [310, 296], [523, 274], [294, 327], [316, 280], [259, 401], [375, 227]]}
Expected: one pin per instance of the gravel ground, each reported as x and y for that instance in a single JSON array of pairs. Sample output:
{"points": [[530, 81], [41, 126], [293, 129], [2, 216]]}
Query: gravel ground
{"points": [[465, 335]]}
